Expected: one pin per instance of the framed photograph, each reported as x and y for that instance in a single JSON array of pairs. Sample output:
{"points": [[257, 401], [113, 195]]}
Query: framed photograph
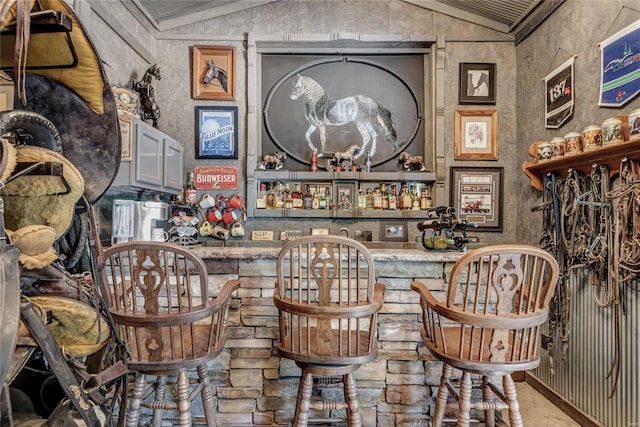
{"points": [[476, 193], [213, 74], [477, 83], [475, 135], [393, 231], [344, 192], [216, 132]]}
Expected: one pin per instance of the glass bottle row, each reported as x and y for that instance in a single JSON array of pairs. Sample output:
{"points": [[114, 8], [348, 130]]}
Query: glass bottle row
{"points": [[281, 195]]}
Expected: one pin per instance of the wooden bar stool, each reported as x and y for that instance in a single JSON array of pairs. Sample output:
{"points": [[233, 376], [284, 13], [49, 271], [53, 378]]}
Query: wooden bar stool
{"points": [[328, 301], [497, 298], [169, 321]]}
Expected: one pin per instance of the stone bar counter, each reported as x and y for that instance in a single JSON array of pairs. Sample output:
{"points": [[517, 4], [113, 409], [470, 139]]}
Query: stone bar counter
{"points": [[253, 386]]}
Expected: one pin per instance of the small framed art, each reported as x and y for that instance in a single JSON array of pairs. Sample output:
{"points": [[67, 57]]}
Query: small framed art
{"points": [[216, 132], [344, 194], [213, 74], [475, 135], [477, 83], [393, 231], [476, 193]]}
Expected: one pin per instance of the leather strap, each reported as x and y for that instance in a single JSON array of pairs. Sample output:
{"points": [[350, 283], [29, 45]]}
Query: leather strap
{"points": [[67, 380]]}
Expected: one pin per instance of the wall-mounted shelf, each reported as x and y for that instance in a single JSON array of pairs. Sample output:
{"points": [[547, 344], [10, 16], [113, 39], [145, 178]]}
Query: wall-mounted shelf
{"points": [[351, 180], [609, 155]]}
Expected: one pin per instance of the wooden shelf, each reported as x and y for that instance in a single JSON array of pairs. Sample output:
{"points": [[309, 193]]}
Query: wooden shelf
{"points": [[609, 155]]}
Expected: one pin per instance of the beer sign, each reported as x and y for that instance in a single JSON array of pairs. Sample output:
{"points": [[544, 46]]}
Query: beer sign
{"points": [[216, 177]]}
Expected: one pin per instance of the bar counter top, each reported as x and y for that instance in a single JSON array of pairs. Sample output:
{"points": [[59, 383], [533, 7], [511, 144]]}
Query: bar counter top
{"points": [[380, 251]]}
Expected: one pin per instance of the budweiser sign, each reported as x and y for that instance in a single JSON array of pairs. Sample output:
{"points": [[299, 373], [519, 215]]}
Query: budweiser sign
{"points": [[216, 177]]}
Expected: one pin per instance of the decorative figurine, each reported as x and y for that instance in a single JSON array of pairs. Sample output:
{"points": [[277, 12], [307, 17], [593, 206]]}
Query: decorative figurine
{"points": [[273, 161], [411, 162], [148, 105], [344, 159]]}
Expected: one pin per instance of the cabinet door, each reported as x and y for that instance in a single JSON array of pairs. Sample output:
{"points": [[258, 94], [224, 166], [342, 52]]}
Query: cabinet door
{"points": [[148, 156], [173, 165]]}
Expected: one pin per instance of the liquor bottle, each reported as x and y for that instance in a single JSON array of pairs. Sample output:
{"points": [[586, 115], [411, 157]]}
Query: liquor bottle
{"points": [[261, 201], [385, 196], [377, 199], [315, 204], [323, 203], [367, 162], [308, 199], [280, 196], [425, 201], [190, 194], [287, 197], [314, 161], [362, 199], [369, 199], [393, 203], [405, 197], [271, 197], [298, 202], [415, 198]]}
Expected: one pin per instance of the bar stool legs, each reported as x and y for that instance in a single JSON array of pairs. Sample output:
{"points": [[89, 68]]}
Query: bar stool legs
{"points": [[304, 403], [443, 394]]}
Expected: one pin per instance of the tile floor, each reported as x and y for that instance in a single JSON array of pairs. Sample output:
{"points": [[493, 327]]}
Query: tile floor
{"points": [[538, 411]]}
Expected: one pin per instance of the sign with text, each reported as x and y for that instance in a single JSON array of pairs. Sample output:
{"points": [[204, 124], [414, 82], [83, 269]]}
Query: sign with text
{"points": [[620, 67], [215, 177], [559, 95]]}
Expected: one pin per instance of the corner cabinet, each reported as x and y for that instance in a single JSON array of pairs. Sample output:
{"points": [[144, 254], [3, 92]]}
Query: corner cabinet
{"points": [[157, 161], [340, 188], [609, 155]]}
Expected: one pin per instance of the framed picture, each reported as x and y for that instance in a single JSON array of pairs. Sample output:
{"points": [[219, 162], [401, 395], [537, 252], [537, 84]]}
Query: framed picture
{"points": [[213, 74], [344, 192], [477, 83], [216, 132], [476, 193], [393, 231], [476, 135]]}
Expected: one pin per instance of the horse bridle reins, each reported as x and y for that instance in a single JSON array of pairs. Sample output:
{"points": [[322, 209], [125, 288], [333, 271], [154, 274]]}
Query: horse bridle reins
{"points": [[585, 224]]}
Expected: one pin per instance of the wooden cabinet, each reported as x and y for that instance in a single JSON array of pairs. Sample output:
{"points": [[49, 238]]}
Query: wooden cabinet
{"points": [[157, 161], [336, 186], [609, 155]]}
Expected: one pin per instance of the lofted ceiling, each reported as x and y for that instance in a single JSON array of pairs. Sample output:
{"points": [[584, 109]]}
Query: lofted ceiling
{"points": [[515, 17]]}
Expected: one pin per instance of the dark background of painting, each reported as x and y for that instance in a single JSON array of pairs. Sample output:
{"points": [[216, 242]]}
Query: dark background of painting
{"points": [[340, 79]]}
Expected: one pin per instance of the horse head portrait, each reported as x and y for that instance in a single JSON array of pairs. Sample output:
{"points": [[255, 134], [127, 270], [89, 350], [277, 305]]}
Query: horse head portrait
{"points": [[321, 111], [149, 107], [215, 73]]}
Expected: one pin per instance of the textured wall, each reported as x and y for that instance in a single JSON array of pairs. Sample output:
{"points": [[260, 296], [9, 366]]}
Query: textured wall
{"points": [[304, 17], [575, 28]]}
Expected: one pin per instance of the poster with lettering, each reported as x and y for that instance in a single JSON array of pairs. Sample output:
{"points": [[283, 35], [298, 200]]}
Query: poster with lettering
{"points": [[560, 95], [620, 67], [216, 132], [215, 177]]}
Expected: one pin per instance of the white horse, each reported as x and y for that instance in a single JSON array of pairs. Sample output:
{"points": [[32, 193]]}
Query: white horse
{"points": [[322, 111]]}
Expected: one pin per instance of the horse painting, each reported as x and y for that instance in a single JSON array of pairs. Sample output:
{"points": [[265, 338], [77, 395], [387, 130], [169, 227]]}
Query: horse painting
{"points": [[149, 107], [214, 72], [322, 111], [481, 86]]}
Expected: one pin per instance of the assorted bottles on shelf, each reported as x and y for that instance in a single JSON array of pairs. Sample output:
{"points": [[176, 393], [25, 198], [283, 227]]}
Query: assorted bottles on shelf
{"points": [[383, 196]]}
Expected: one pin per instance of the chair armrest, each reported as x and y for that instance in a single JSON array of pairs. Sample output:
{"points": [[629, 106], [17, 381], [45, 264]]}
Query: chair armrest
{"points": [[223, 297], [424, 292], [378, 293]]}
